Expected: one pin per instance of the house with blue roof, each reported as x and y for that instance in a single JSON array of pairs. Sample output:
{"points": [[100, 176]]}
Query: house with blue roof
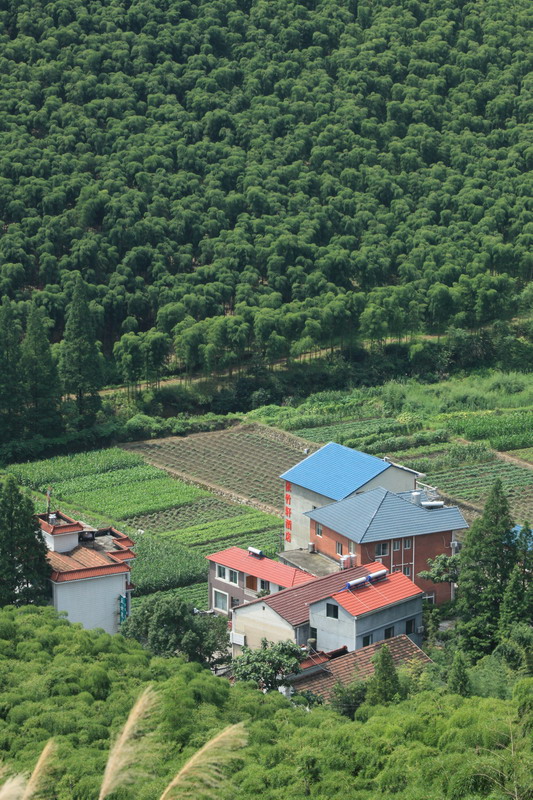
{"points": [[334, 473], [401, 530]]}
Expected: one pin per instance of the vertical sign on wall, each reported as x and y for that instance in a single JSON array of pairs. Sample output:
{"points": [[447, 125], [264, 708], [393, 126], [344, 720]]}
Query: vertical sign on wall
{"points": [[288, 521], [123, 607]]}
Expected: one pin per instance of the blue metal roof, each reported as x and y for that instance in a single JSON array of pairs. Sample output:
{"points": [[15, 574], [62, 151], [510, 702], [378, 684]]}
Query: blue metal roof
{"points": [[380, 514], [335, 471]]}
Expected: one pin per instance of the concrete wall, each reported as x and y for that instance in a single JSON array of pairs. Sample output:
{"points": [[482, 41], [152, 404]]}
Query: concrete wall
{"points": [[297, 501], [397, 616], [258, 621], [394, 479], [94, 602], [61, 543], [331, 633], [348, 630]]}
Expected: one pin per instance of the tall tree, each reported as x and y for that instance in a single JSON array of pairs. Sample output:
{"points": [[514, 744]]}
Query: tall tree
{"points": [[79, 363], [514, 607], [12, 395], [458, 681], [40, 377], [268, 666], [487, 558], [384, 685], [24, 570]]}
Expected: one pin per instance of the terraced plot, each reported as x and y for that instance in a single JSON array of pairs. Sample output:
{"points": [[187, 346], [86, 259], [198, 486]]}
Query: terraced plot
{"points": [[245, 461], [206, 509], [473, 482]]}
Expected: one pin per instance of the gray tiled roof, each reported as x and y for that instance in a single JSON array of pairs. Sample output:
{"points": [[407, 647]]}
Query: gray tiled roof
{"points": [[380, 514]]}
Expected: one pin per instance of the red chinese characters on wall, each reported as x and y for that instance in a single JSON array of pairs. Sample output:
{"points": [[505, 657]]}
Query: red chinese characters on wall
{"points": [[288, 523]]}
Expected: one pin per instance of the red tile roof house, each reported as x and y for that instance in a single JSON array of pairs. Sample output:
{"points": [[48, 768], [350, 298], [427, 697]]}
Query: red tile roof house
{"points": [[236, 576], [353, 608], [322, 671], [333, 473], [90, 571], [402, 530]]}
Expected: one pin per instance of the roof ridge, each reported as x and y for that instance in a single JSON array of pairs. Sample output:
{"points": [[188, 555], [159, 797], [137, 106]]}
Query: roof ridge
{"points": [[375, 512]]}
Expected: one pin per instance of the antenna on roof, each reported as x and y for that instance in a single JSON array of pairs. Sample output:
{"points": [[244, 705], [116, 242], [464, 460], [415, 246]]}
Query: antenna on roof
{"points": [[48, 495]]}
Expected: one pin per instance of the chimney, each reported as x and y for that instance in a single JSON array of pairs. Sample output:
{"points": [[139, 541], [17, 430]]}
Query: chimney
{"points": [[415, 498]]}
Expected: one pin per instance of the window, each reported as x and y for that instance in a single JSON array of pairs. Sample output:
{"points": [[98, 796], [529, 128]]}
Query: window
{"points": [[221, 572], [338, 548], [407, 544], [220, 600], [429, 597], [235, 602], [410, 626], [318, 529], [332, 611], [312, 633], [382, 549], [407, 571], [265, 585], [396, 544], [233, 576], [367, 640], [389, 633], [352, 548]]}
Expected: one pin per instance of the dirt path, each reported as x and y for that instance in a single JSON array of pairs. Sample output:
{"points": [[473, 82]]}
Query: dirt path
{"points": [[514, 460]]}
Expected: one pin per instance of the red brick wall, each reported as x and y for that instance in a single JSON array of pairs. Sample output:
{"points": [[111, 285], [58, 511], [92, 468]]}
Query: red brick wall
{"points": [[422, 548], [327, 543]]}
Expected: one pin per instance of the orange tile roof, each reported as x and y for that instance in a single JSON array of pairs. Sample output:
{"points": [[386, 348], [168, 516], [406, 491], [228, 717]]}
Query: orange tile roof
{"points": [[356, 665], [293, 604], [260, 567], [82, 563], [370, 596], [121, 555]]}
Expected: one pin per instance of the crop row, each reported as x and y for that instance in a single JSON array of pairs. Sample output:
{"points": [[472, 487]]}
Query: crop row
{"points": [[494, 425], [223, 528], [196, 594], [116, 479], [39, 474], [137, 498], [270, 542], [206, 509], [162, 564], [342, 431]]}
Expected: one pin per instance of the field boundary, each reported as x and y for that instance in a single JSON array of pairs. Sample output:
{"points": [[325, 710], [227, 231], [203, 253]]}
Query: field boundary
{"points": [[215, 488]]}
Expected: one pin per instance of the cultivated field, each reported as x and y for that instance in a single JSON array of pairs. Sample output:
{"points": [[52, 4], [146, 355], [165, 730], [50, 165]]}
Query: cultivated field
{"points": [[174, 524], [242, 462]]}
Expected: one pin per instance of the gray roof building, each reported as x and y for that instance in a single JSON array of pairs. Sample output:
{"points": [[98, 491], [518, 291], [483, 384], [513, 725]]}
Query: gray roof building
{"points": [[380, 514]]}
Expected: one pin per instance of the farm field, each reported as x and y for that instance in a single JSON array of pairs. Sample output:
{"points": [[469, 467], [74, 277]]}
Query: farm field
{"points": [[245, 461], [173, 523]]}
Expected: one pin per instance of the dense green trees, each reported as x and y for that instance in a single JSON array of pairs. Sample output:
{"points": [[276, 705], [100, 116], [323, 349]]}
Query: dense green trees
{"points": [[24, 570], [168, 626], [269, 665], [276, 177]]}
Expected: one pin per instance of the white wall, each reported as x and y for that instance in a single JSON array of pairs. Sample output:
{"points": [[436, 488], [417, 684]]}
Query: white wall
{"points": [[93, 602], [393, 479], [332, 633], [303, 500], [259, 621], [61, 543]]}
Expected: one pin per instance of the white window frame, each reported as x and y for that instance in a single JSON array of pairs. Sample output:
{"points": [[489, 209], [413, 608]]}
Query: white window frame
{"points": [[429, 597], [352, 548], [235, 572], [338, 548], [407, 570], [318, 529], [368, 636], [264, 586], [224, 610], [407, 543], [396, 545], [380, 546], [221, 569]]}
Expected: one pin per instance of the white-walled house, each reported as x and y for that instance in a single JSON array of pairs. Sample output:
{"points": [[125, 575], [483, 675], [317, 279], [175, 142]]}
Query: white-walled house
{"points": [[90, 571], [333, 611], [333, 473]]}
